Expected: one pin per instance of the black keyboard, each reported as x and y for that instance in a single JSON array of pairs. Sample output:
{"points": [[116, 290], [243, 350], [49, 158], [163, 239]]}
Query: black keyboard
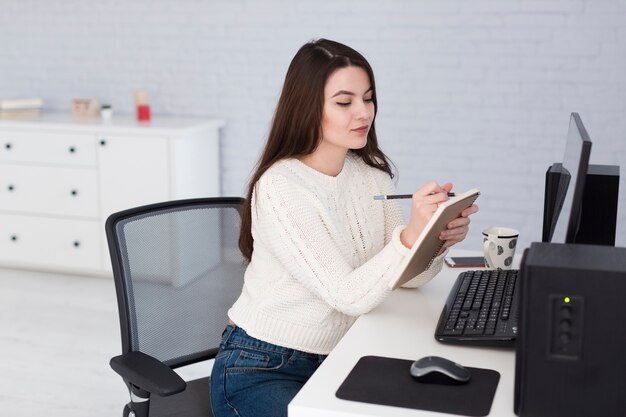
{"points": [[481, 309]]}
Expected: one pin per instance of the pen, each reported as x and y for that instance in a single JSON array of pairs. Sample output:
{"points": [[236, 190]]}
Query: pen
{"points": [[398, 196]]}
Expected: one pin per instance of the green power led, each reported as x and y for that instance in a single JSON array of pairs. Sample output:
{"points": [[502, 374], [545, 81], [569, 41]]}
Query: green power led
{"points": [[567, 300]]}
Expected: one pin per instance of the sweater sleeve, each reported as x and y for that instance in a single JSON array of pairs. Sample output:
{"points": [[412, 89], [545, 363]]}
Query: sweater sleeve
{"points": [[291, 223], [394, 215]]}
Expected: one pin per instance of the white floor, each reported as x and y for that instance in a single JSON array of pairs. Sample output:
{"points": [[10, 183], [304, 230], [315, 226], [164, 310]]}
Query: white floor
{"points": [[57, 334]]}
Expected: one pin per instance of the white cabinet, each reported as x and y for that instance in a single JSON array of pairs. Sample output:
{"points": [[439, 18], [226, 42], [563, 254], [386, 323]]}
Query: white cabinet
{"points": [[128, 174], [61, 178]]}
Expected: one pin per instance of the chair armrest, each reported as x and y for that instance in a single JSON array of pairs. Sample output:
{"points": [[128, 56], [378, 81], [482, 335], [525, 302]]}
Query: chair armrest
{"points": [[148, 373]]}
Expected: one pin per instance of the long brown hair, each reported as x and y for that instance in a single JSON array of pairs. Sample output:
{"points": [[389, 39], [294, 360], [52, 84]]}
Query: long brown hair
{"points": [[297, 120]]}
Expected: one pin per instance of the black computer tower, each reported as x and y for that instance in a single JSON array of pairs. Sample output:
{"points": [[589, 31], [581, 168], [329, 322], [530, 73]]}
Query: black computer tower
{"points": [[571, 346]]}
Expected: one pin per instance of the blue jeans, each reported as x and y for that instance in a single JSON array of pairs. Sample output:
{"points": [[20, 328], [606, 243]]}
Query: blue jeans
{"points": [[252, 378]]}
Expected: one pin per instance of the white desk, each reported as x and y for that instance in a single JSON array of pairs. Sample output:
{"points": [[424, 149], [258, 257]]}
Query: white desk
{"points": [[402, 327]]}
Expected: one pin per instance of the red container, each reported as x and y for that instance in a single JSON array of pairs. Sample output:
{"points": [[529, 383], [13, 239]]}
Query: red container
{"points": [[143, 113]]}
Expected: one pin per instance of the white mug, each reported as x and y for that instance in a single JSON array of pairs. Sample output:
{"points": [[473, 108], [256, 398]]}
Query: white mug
{"points": [[499, 247]]}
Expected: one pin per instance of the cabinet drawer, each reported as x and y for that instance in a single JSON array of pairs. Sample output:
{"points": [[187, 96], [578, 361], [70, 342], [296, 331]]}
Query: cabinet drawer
{"points": [[49, 190], [133, 171], [41, 241], [49, 148]]}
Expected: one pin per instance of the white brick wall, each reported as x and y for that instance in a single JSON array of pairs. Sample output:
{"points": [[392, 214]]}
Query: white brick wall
{"points": [[478, 93]]}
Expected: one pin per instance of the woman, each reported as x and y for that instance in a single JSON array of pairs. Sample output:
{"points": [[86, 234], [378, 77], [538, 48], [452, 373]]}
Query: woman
{"points": [[321, 250]]}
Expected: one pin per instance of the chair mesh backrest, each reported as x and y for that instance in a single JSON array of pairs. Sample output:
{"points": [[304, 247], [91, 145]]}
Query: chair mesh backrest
{"points": [[181, 270]]}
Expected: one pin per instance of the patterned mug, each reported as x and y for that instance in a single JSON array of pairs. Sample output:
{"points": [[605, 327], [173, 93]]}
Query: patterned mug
{"points": [[499, 247]]}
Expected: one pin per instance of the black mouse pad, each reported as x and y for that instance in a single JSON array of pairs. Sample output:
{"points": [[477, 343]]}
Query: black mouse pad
{"points": [[387, 381]]}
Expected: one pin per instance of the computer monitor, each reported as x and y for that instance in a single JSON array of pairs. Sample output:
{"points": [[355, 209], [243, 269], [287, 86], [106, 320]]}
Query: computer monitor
{"points": [[568, 184]]}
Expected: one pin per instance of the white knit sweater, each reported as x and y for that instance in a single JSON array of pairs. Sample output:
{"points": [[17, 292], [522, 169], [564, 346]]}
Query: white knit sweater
{"points": [[324, 253]]}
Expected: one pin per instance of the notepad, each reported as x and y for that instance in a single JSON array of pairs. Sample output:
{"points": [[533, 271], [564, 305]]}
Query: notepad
{"points": [[427, 246]]}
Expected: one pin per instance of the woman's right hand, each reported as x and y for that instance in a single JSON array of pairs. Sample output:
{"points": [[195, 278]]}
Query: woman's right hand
{"points": [[424, 203]]}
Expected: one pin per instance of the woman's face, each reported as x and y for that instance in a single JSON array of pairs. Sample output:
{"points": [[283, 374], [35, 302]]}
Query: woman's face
{"points": [[348, 109]]}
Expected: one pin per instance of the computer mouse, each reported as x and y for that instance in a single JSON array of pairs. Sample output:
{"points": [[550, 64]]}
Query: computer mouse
{"points": [[435, 369]]}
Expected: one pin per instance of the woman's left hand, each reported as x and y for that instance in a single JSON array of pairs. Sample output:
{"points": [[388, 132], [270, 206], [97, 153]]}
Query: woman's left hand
{"points": [[457, 228]]}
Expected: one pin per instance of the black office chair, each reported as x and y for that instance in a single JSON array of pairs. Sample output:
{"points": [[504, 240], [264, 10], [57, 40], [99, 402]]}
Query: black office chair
{"points": [[177, 270]]}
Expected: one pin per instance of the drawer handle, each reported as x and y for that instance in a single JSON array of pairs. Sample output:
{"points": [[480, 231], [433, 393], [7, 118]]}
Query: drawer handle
{"points": [[14, 238], [74, 193], [8, 145], [76, 243], [103, 142], [72, 149], [11, 187]]}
